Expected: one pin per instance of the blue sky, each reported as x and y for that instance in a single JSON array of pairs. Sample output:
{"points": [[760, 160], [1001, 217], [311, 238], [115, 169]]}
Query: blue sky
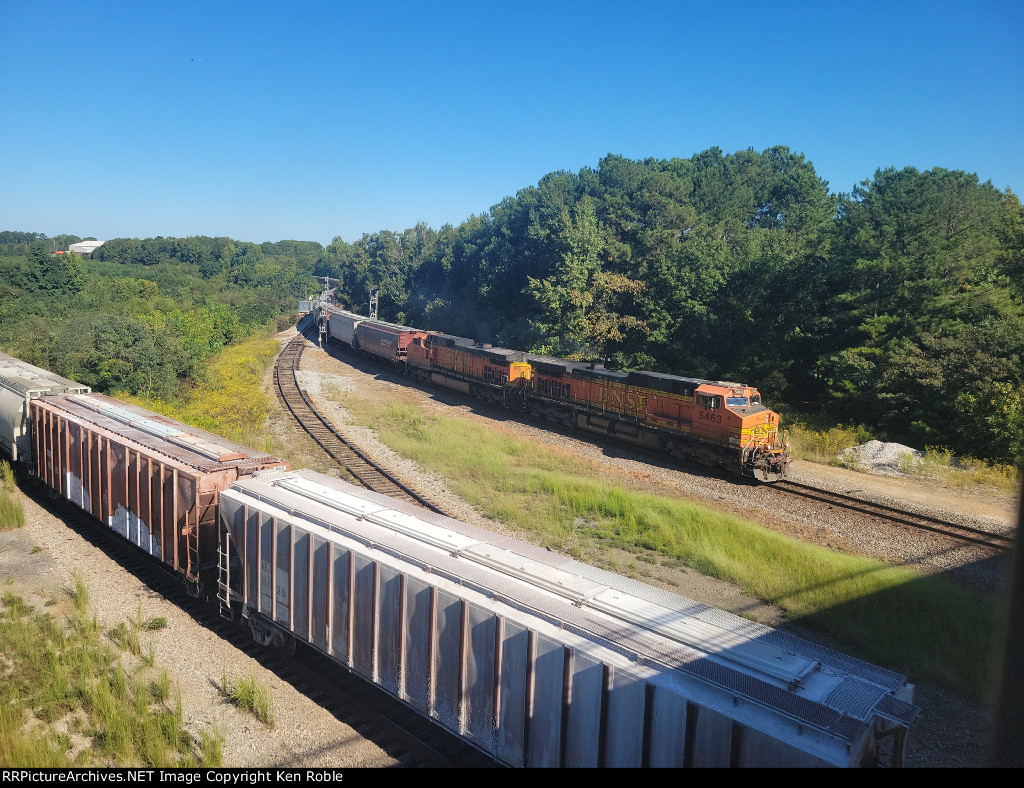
{"points": [[265, 121]]}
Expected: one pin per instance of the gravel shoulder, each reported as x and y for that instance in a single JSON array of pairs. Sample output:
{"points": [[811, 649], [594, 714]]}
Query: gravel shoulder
{"points": [[38, 562]]}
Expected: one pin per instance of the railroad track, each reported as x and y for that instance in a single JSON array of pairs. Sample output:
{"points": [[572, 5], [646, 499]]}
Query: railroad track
{"points": [[963, 533], [889, 514], [407, 736], [362, 469]]}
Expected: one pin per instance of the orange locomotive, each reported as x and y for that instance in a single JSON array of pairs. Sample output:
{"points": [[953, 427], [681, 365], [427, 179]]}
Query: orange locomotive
{"points": [[497, 375], [712, 422]]}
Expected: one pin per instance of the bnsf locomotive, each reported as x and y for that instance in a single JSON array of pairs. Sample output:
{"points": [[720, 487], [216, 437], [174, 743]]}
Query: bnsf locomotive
{"points": [[712, 422]]}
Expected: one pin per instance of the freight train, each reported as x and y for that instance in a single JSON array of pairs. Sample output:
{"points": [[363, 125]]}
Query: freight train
{"points": [[535, 659], [153, 480], [715, 423]]}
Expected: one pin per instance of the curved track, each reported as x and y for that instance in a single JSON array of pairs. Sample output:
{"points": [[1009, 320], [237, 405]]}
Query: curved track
{"points": [[366, 472], [888, 514], [891, 514]]}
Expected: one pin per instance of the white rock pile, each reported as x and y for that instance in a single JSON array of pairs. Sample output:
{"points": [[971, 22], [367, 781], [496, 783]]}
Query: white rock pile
{"points": [[881, 457]]}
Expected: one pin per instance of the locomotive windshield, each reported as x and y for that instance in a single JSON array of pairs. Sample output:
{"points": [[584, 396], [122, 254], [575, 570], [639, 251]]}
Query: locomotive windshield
{"points": [[737, 402]]}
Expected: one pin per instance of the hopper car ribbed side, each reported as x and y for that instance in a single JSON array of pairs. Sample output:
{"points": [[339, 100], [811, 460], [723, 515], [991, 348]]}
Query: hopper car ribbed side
{"points": [[536, 659], [341, 326], [153, 480], [384, 341], [20, 383]]}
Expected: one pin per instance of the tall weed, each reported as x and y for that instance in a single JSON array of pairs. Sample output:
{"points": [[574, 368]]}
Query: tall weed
{"points": [[826, 445], [230, 401], [12, 512], [79, 593], [248, 694], [66, 671], [943, 466]]}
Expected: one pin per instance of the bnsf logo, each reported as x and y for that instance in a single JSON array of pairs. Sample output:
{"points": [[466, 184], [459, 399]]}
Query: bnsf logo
{"points": [[386, 342], [630, 400]]}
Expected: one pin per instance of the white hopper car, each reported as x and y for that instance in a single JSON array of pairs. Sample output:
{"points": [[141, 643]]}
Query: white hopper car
{"points": [[20, 383], [538, 660]]}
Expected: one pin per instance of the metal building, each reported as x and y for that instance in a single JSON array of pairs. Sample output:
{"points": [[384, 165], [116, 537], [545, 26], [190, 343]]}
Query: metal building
{"points": [[85, 248]]}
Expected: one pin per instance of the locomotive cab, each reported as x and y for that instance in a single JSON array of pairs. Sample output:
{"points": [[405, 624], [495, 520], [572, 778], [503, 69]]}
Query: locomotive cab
{"points": [[733, 413]]}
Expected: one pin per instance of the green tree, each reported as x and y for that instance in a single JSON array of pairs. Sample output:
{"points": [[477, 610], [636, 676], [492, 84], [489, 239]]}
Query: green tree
{"points": [[574, 306], [927, 325], [59, 274]]}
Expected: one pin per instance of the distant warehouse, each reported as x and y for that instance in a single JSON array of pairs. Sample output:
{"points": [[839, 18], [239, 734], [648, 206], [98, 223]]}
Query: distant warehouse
{"points": [[85, 248]]}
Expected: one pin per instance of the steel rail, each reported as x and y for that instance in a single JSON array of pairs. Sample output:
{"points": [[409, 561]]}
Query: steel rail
{"points": [[924, 522], [343, 451]]}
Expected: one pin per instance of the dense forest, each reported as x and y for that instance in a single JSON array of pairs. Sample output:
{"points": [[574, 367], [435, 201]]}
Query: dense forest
{"points": [[142, 317], [899, 306]]}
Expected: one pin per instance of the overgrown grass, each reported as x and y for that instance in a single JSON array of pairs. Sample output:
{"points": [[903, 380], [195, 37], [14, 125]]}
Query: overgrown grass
{"points": [[959, 472], [248, 694], [79, 593], [66, 699], [12, 513], [230, 402], [824, 445], [924, 626], [128, 636]]}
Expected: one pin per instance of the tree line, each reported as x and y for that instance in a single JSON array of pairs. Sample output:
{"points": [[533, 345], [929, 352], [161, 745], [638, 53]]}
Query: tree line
{"points": [[897, 306], [143, 316]]}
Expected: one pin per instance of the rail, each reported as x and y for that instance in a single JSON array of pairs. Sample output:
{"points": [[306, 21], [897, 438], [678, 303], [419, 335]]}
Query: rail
{"points": [[964, 533], [344, 452]]}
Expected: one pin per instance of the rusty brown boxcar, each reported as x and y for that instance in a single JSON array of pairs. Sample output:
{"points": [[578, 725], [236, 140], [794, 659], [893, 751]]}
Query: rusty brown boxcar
{"points": [[151, 479], [385, 341]]}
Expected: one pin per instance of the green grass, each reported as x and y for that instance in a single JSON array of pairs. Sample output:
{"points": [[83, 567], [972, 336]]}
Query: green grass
{"points": [[943, 466], [79, 593], [230, 401], [921, 625], [826, 444], [248, 694], [12, 513], [823, 445], [66, 698]]}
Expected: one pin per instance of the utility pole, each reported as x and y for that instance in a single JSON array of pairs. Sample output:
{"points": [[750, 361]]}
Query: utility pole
{"points": [[373, 305]]}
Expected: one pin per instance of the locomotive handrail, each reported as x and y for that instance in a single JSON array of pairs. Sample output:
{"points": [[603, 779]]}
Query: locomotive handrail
{"points": [[558, 395]]}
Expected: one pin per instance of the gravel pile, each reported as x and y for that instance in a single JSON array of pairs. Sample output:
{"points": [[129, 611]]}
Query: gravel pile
{"points": [[324, 374], [950, 732], [881, 457]]}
